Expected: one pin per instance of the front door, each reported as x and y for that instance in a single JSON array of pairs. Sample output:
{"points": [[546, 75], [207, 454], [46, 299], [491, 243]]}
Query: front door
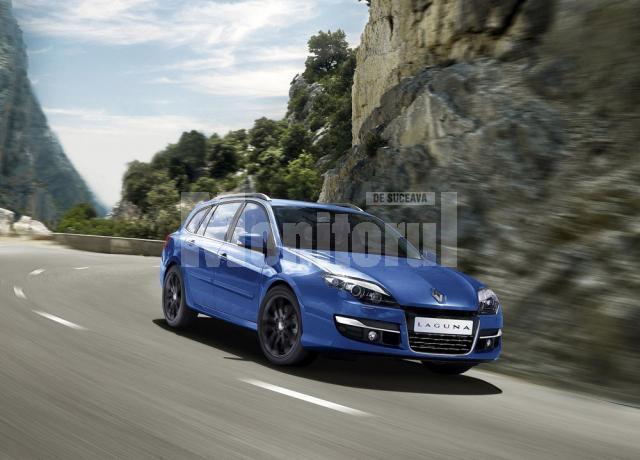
{"points": [[210, 243], [238, 279]]}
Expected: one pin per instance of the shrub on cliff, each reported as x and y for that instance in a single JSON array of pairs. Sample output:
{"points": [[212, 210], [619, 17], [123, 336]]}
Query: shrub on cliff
{"points": [[328, 50]]}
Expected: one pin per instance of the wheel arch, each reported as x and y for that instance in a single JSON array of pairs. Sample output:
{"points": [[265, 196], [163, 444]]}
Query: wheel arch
{"points": [[171, 263], [274, 282]]}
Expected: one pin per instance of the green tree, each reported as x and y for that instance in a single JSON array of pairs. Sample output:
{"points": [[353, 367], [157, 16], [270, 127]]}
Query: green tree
{"points": [[328, 50], [239, 138], [75, 219], [223, 157], [297, 103], [136, 183], [295, 140], [302, 179], [333, 110], [265, 134], [268, 174], [163, 202], [205, 184], [188, 157]]}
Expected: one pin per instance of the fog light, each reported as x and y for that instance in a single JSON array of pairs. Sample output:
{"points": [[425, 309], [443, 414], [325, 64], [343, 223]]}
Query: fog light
{"points": [[372, 336], [488, 343]]}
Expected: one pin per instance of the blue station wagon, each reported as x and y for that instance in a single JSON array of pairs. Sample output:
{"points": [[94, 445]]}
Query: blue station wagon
{"points": [[318, 277]]}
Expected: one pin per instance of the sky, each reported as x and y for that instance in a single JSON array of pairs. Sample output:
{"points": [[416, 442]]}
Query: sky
{"points": [[121, 79]]}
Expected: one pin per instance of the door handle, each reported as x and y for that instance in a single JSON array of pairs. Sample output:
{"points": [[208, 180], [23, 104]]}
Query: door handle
{"points": [[223, 256], [192, 241]]}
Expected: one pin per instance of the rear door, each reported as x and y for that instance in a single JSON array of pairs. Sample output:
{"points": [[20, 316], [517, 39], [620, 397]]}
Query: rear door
{"points": [[210, 243], [238, 279], [191, 254]]}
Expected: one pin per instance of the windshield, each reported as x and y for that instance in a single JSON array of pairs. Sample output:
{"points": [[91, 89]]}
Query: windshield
{"points": [[323, 230]]}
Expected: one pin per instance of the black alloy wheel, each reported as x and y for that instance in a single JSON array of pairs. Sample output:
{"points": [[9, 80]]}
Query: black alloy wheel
{"points": [[176, 312], [280, 328]]}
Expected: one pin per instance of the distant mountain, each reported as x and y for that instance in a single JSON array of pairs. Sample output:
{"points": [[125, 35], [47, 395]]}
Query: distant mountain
{"points": [[36, 177]]}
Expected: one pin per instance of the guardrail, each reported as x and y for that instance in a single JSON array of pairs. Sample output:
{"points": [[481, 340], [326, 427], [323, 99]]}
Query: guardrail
{"points": [[110, 244]]}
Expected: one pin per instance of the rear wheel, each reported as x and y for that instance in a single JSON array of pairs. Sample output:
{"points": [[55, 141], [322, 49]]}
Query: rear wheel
{"points": [[447, 368], [280, 329], [176, 312]]}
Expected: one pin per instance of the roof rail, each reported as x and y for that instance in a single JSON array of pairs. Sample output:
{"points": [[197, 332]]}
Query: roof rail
{"points": [[346, 205], [261, 196]]}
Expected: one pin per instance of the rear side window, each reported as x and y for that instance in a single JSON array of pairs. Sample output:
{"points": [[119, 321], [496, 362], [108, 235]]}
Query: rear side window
{"points": [[196, 220], [253, 219], [222, 217]]}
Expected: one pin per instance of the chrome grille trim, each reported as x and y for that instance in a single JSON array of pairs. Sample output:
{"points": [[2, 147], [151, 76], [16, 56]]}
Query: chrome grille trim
{"points": [[439, 343]]}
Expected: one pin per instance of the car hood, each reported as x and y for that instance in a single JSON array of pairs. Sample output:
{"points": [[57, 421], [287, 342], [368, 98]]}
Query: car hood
{"points": [[411, 282]]}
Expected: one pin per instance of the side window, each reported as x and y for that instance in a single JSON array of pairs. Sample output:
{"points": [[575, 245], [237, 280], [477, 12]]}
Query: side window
{"points": [[205, 221], [221, 219], [196, 220], [253, 219]]}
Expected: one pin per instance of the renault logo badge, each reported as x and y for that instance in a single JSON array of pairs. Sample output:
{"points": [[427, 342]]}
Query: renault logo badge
{"points": [[439, 296]]}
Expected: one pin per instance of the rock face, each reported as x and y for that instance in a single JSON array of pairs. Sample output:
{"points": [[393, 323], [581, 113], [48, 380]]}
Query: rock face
{"points": [[28, 226], [6, 221], [311, 93], [35, 175], [530, 111]]}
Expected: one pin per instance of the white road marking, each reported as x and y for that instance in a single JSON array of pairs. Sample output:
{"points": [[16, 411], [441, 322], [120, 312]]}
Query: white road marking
{"points": [[37, 272], [307, 398], [80, 268], [156, 266], [59, 320], [19, 292]]}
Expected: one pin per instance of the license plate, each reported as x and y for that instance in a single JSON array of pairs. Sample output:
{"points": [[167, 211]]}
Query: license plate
{"points": [[443, 326]]}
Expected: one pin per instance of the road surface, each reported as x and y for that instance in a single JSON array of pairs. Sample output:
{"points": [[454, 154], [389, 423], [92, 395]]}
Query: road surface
{"points": [[89, 369]]}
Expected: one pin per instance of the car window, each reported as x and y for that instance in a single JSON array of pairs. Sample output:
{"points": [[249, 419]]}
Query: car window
{"points": [[253, 219], [325, 230], [222, 217], [196, 220], [205, 221]]}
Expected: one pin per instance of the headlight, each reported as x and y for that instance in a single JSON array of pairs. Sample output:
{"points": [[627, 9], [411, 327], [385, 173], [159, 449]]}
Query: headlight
{"points": [[363, 290], [488, 302]]}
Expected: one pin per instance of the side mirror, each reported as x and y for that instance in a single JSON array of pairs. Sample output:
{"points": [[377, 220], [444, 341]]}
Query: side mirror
{"points": [[253, 241], [431, 256]]}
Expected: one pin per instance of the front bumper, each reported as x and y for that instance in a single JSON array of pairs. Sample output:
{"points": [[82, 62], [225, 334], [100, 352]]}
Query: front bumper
{"points": [[347, 327]]}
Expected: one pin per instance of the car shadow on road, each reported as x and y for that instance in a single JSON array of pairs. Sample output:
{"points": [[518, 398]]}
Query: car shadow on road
{"points": [[362, 371]]}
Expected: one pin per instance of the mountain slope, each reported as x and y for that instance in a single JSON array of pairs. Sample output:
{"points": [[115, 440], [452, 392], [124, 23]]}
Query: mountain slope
{"points": [[36, 177]]}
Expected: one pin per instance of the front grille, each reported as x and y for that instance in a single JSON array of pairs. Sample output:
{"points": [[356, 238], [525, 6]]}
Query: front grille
{"points": [[444, 344]]}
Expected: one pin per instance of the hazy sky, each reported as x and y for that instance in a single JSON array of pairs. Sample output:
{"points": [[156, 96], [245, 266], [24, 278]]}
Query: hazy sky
{"points": [[120, 79]]}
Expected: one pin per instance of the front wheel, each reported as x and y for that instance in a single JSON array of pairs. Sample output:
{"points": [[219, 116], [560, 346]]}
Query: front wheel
{"points": [[447, 368], [176, 312], [280, 329]]}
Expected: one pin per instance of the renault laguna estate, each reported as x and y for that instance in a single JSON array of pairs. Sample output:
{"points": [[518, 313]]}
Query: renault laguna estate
{"points": [[317, 277]]}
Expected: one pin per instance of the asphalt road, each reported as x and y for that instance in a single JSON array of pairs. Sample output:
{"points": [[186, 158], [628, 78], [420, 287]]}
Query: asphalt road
{"points": [[89, 369]]}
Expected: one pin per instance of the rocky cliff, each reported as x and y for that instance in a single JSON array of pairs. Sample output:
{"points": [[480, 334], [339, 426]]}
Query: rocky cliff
{"points": [[36, 177], [530, 111]]}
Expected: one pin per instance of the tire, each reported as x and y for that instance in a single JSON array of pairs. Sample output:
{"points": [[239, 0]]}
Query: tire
{"points": [[176, 312], [280, 329], [447, 368]]}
